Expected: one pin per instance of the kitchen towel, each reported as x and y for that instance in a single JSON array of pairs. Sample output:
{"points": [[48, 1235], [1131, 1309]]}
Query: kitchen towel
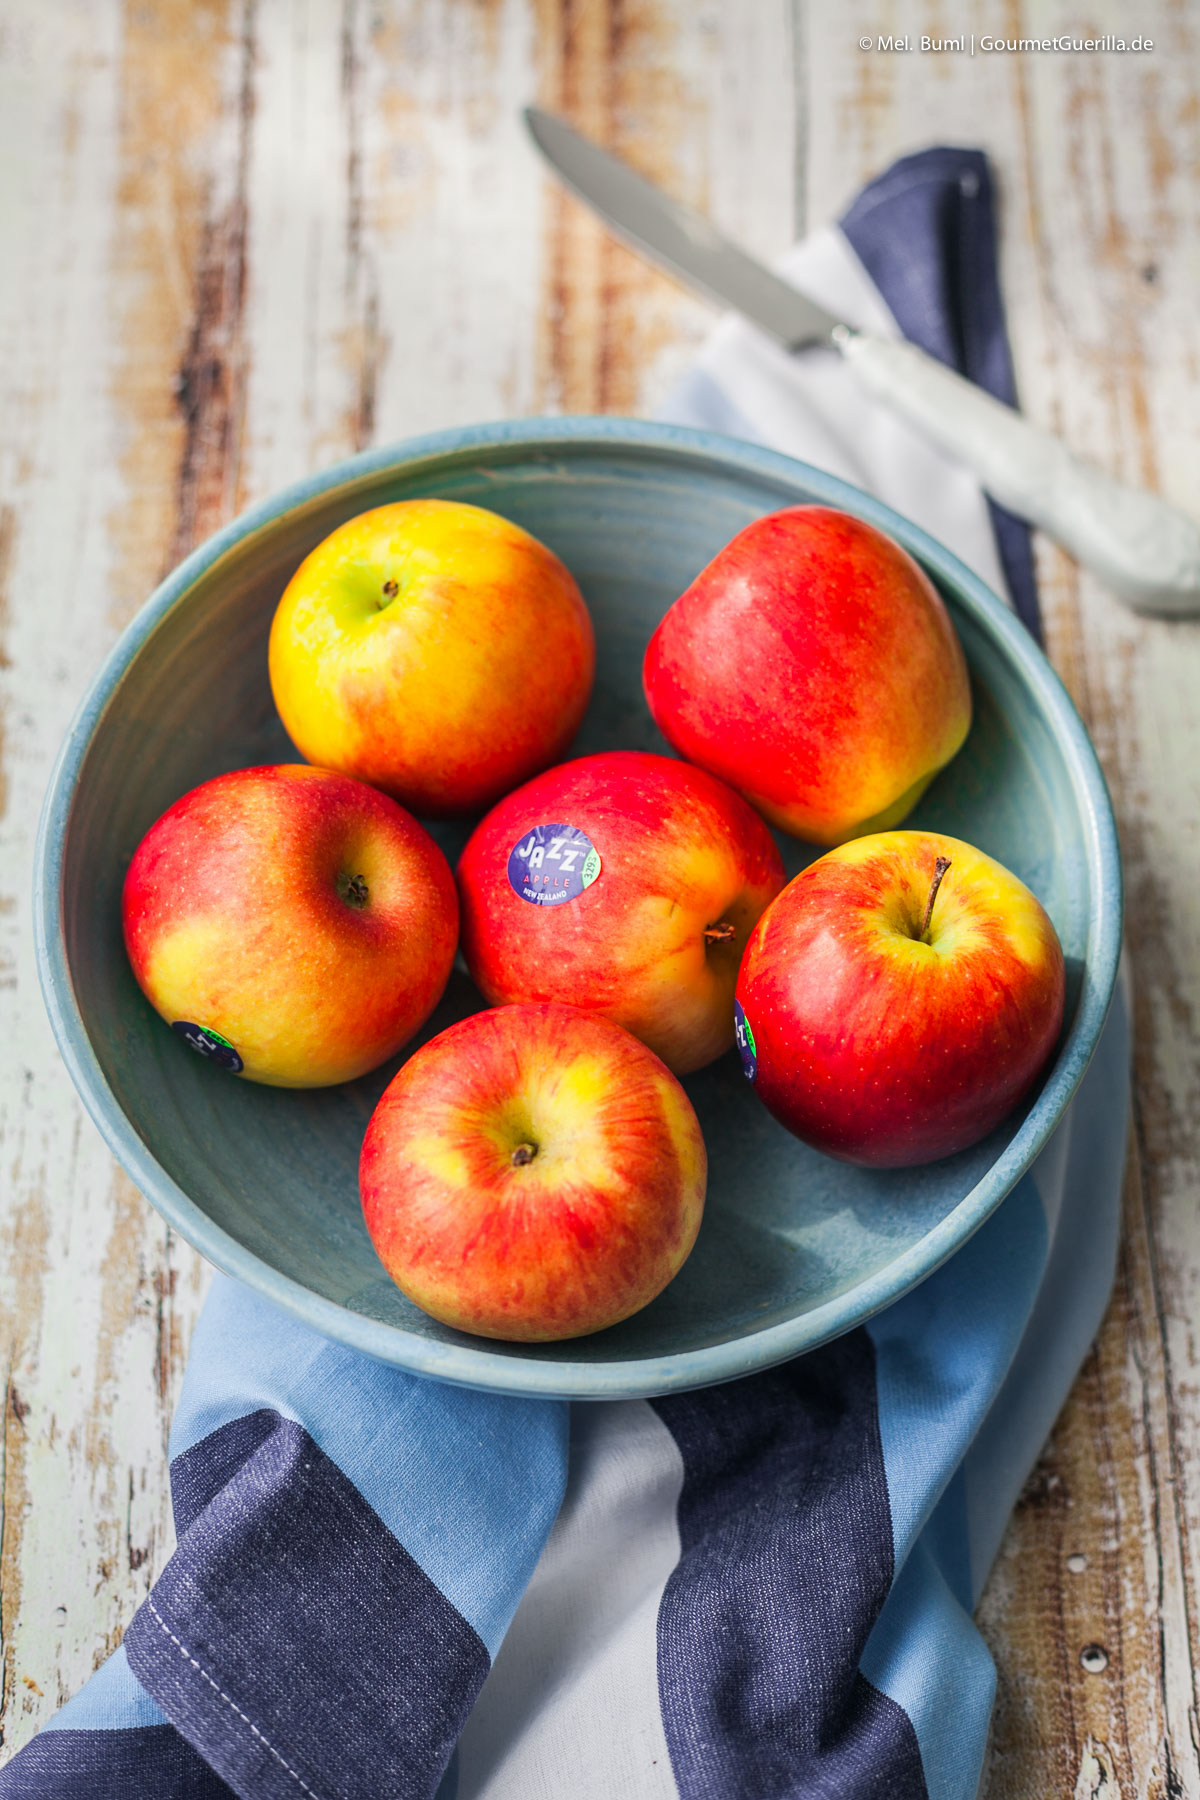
{"points": [[389, 1589]]}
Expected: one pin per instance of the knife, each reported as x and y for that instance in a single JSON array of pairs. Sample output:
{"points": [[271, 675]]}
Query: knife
{"points": [[1140, 546]]}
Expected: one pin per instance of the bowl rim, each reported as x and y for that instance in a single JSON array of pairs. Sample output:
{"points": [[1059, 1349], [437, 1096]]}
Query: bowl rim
{"points": [[474, 1365]]}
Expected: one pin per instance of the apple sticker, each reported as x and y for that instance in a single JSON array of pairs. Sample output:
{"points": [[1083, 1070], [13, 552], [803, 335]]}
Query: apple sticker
{"points": [[552, 864], [210, 1044], [745, 1042]]}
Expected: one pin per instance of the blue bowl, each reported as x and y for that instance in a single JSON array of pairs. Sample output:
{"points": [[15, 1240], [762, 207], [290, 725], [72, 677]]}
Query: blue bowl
{"points": [[794, 1248]]}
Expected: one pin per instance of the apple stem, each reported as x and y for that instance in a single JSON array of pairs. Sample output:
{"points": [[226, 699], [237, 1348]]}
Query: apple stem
{"points": [[720, 934], [353, 890], [524, 1153], [939, 870], [391, 589]]}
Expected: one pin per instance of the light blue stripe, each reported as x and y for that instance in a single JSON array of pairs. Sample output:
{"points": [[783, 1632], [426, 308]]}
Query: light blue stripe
{"points": [[942, 1352], [927, 1655], [111, 1701], [1074, 1292], [469, 1483], [972, 1369]]}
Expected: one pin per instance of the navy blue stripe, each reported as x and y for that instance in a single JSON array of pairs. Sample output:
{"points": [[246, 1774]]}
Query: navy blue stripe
{"points": [[925, 231], [294, 1641], [150, 1763], [201, 1472], [786, 1560]]}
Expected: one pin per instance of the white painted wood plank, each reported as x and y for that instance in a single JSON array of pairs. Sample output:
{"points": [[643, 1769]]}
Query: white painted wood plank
{"points": [[83, 1414]]}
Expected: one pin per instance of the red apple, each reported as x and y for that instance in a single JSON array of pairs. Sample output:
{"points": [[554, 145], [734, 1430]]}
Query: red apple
{"points": [[533, 1173], [899, 999], [624, 883], [813, 666], [293, 925], [434, 649]]}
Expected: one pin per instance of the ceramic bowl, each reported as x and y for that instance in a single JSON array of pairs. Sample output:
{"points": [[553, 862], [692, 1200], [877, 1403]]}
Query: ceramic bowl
{"points": [[794, 1248]]}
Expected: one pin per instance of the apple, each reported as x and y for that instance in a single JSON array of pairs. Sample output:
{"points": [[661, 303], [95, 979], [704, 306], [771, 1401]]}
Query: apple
{"points": [[291, 924], [625, 883], [814, 667], [533, 1173], [435, 650], [899, 999]]}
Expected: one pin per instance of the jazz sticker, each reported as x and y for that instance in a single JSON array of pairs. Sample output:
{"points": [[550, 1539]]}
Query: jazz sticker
{"points": [[551, 864], [208, 1043], [745, 1042]]}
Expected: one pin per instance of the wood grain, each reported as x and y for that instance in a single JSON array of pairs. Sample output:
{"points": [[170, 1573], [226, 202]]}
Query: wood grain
{"points": [[245, 237]]}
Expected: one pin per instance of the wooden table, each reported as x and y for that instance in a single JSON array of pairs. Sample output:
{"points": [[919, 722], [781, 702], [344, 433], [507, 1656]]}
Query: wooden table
{"points": [[241, 240]]}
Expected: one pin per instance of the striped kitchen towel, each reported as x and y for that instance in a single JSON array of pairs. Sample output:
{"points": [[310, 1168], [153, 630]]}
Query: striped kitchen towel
{"points": [[388, 1589]]}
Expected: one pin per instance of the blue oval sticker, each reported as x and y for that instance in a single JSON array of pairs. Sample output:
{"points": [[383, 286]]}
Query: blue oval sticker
{"points": [[551, 864]]}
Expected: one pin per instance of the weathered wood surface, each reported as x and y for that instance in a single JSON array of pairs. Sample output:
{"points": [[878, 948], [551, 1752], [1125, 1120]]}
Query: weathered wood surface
{"points": [[240, 240]]}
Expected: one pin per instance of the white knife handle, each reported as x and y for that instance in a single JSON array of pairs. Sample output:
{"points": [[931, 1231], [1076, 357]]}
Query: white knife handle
{"points": [[1144, 549]]}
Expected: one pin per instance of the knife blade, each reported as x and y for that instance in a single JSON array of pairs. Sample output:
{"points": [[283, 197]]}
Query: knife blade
{"points": [[684, 241], [1143, 548]]}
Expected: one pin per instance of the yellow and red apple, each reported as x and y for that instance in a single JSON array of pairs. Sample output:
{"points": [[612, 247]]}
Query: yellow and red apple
{"points": [[900, 997], [533, 1173], [814, 667], [625, 883], [435, 650], [293, 925]]}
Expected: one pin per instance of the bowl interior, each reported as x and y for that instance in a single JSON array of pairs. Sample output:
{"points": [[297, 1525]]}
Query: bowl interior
{"points": [[265, 1180]]}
